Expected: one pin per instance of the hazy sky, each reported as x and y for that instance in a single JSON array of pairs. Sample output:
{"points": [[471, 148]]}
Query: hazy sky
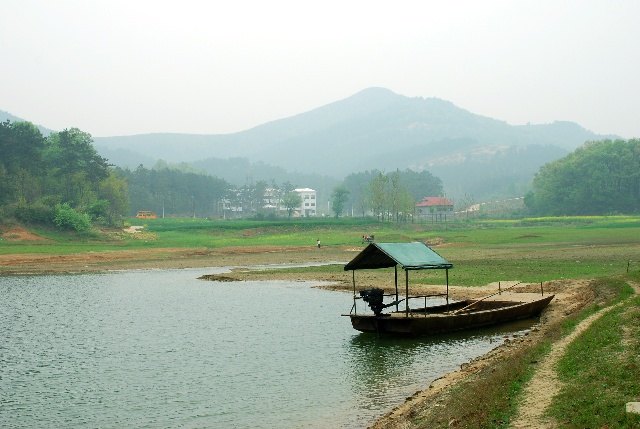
{"points": [[129, 67]]}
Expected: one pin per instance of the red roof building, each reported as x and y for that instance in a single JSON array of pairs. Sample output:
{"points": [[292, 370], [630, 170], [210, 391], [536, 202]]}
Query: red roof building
{"points": [[435, 209]]}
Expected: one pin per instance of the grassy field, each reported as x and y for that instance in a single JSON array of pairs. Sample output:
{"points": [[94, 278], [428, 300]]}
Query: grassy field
{"points": [[530, 250]]}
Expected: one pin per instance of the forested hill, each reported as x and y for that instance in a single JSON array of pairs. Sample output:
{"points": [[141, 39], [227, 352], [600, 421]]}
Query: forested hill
{"points": [[374, 128]]}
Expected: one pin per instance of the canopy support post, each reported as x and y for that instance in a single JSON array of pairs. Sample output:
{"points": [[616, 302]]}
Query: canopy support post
{"points": [[406, 286], [353, 275], [396, 282], [447, 275]]}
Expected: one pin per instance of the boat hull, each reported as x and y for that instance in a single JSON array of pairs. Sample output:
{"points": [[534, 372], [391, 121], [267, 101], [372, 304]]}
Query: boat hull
{"points": [[429, 322]]}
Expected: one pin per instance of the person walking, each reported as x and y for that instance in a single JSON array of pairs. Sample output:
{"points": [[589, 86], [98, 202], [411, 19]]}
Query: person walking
{"points": [[318, 243]]}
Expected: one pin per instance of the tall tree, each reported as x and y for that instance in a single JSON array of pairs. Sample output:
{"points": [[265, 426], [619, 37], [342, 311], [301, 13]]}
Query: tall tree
{"points": [[257, 195], [359, 191], [21, 145], [7, 191], [21, 165], [378, 191], [406, 205], [367, 190], [421, 184], [395, 189], [75, 164], [339, 196], [291, 201], [114, 190], [39, 173]]}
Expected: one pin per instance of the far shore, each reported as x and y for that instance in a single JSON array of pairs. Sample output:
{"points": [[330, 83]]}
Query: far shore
{"points": [[169, 258], [242, 261]]}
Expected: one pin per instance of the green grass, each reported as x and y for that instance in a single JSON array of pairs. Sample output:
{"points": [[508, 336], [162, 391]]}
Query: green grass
{"points": [[601, 372]]}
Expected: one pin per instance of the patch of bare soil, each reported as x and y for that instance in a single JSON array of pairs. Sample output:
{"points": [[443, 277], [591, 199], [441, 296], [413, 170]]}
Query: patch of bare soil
{"points": [[17, 233], [133, 229]]}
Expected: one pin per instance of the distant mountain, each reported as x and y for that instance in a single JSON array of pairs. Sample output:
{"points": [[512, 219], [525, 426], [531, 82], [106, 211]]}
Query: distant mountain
{"points": [[4, 116], [361, 131], [373, 129], [126, 158]]}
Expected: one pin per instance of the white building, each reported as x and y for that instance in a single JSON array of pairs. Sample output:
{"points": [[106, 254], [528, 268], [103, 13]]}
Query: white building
{"points": [[308, 206]]}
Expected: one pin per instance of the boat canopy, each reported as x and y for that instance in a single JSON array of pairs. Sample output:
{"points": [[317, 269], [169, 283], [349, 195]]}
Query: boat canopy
{"points": [[411, 256]]}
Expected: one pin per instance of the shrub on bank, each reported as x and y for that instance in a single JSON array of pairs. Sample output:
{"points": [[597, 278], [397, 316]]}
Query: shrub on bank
{"points": [[31, 214], [67, 218]]}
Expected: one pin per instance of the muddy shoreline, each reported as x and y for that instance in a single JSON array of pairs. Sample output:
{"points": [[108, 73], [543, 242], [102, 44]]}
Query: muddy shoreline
{"points": [[167, 258]]}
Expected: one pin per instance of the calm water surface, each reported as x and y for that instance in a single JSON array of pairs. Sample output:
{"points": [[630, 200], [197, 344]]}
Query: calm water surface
{"points": [[161, 349]]}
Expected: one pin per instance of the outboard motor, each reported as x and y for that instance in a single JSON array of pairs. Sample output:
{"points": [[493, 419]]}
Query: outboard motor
{"points": [[374, 297]]}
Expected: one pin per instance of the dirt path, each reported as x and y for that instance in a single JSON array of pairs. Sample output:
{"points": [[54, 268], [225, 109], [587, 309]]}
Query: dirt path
{"points": [[545, 384]]}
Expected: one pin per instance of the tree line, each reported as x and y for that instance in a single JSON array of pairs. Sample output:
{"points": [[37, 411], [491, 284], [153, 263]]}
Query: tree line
{"points": [[598, 178], [59, 179], [179, 190], [172, 192], [387, 196]]}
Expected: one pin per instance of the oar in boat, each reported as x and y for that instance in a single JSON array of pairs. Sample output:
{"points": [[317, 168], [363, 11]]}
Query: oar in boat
{"points": [[489, 296]]}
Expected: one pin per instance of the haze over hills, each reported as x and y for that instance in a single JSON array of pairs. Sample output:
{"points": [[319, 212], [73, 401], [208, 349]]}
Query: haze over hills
{"points": [[356, 131], [373, 129], [378, 129]]}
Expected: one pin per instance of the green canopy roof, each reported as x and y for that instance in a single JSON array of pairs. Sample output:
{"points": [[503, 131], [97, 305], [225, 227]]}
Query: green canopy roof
{"points": [[411, 256]]}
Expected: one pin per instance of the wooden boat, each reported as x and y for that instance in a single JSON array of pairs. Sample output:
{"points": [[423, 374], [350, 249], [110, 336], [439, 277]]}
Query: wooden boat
{"points": [[500, 307], [448, 317]]}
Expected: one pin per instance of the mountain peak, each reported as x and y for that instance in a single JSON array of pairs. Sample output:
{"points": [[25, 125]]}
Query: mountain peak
{"points": [[375, 91]]}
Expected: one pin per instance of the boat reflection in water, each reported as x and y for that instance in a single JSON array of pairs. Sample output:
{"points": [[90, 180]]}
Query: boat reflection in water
{"points": [[393, 367]]}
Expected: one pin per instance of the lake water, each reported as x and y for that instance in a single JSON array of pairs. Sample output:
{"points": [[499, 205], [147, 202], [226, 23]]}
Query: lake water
{"points": [[161, 349]]}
